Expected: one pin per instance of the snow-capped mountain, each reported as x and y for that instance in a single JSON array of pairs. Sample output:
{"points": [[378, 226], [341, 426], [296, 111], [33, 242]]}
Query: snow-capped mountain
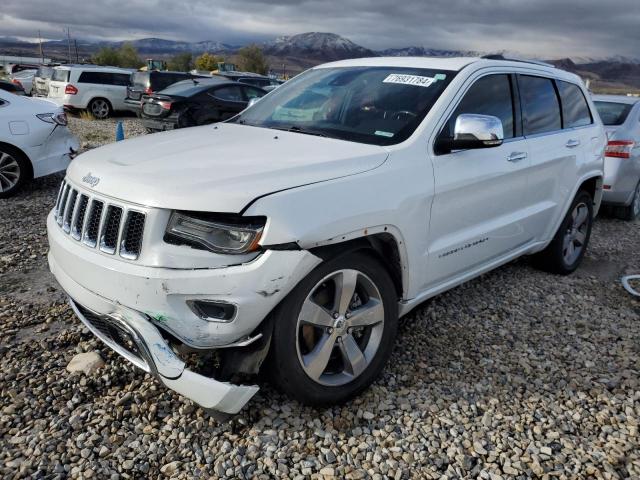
{"points": [[425, 52], [324, 46]]}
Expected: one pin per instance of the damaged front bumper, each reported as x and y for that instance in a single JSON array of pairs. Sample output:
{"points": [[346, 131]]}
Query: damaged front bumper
{"points": [[137, 309]]}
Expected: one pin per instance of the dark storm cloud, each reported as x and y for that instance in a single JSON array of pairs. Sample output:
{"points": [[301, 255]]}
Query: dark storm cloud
{"points": [[546, 28]]}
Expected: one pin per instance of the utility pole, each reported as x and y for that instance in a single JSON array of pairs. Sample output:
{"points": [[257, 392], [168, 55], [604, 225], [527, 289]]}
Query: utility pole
{"points": [[69, 43], [40, 42], [75, 42]]}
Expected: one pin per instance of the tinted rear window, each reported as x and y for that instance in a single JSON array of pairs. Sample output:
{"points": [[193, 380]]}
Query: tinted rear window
{"points": [[613, 113], [140, 79], [161, 81], [575, 110], [104, 78], [540, 107], [60, 75]]}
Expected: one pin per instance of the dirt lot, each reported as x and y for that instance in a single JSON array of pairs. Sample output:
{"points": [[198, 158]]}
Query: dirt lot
{"points": [[515, 374]]}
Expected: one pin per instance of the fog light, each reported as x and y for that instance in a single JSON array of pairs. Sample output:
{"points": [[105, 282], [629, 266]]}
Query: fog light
{"points": [[212, 311]]}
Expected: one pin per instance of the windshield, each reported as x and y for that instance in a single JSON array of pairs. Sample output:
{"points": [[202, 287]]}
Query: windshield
{"points": [[613, 113], [376, 105]]}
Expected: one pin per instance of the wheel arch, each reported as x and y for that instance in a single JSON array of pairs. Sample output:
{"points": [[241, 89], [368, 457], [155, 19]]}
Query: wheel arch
{"points": [[20, 152]]}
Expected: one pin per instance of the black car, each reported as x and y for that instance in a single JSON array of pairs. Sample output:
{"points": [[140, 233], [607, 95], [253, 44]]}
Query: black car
{"points": [[147, 83], [196, 102], [254, 79], [12, 87]]}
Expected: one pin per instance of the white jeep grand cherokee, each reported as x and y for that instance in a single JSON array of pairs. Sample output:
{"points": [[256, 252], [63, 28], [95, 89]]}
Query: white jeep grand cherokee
{"points": [[293, 237]]}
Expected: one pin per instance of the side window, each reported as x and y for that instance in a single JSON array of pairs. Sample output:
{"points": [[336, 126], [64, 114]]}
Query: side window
{"points": [[88, 77], [230, 94], [540, 106], [575, 110], [490, 95], [251, 92], [120, 79]]}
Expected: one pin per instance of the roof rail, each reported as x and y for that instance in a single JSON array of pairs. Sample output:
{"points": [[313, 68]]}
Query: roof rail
{"points": [[499, 56]]}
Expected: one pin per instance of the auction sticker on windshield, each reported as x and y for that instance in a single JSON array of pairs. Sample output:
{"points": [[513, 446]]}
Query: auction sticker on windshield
{"points": [[416, 80]]}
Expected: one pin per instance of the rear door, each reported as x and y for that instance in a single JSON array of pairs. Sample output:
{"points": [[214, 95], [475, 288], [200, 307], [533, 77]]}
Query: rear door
{"points": [[556, 152], [230, 100], [479, 207]]}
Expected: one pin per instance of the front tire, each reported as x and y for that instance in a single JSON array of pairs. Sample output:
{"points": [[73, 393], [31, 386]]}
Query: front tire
{"points": [[335, 331], [565, 252], [15, 171]]}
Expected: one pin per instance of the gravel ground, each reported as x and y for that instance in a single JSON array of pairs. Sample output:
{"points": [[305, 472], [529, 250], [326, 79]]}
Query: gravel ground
{"points": [[515, 374]]}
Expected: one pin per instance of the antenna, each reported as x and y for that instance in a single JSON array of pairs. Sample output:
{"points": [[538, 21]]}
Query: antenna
{"points": [[40, 42], [69, 43]]}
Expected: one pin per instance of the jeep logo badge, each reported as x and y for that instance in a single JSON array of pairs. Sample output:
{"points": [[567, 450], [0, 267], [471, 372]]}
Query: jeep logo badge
{"points": [[91, 180]]}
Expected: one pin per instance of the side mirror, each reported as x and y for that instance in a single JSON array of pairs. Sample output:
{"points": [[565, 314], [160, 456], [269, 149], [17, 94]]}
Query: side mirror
{"points": [[473, 131]]}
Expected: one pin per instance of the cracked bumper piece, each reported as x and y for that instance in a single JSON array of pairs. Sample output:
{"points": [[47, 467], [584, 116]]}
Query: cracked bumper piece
{"points": [[131, 335]]}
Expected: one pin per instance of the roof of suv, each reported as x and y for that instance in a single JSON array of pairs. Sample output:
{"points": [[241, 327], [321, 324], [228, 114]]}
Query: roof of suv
{"points": [[450, 63]]}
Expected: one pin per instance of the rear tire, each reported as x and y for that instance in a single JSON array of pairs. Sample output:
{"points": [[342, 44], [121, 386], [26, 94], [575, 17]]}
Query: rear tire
{"points": [[632, 211], [565, 252], [15, 171], [100, 108], [335, 331]]}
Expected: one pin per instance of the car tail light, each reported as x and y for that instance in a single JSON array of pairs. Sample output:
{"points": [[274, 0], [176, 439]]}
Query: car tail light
{"points": [[16, 82], [619, 148], [70, 90], [148, 91], [165, 105]]}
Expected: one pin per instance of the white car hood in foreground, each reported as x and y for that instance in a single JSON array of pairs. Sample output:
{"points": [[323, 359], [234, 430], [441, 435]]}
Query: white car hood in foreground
{"points": [[219, 168]]}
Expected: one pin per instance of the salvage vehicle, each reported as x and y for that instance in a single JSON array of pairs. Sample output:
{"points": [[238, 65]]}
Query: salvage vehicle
{"points": [[290, 239], [42, 79], [100, 90], [621, 118], [34, 141], [198, 101], [24, 79], [147, 83]]}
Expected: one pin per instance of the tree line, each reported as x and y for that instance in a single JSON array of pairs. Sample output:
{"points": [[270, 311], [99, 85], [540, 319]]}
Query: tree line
{"points": [[249, 59]]}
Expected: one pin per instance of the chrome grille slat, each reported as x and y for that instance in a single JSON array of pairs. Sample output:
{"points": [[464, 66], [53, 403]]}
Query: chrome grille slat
{"points": [[68, 212], [97, 222], [110, 231], [132, 233], [90, 236], [63, 204], [77, 222]]}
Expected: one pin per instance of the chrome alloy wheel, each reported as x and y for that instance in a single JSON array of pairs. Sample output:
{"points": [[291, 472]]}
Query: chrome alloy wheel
{"points": [[100, 108], [340, 327], [9, 172], [576, 234]]}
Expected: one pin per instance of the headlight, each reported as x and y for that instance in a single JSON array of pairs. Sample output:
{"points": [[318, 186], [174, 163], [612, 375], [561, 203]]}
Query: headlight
{"points": [[59, 118], [226, 234]]}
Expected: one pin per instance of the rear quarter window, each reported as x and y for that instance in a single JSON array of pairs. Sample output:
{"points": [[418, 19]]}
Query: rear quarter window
{"points": [[60, 75], [575, 110], [540, 106]]}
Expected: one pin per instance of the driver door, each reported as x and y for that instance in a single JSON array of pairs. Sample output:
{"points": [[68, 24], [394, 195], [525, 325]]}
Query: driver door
{"points": [[479, 208]]}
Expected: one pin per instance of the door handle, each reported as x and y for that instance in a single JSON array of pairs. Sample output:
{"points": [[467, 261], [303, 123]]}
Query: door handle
{"points": [[516, 156], [572, 143]]}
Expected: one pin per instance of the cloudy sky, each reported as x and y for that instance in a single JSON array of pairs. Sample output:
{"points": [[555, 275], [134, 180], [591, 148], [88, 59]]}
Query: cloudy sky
{"points": [[543, 28]]}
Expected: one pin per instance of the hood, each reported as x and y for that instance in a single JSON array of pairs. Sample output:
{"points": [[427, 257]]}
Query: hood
{"points": [[219, 168]]}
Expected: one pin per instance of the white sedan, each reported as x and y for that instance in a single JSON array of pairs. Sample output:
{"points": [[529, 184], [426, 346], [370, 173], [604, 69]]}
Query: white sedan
{"points": [[34, 141], [25, 79]]}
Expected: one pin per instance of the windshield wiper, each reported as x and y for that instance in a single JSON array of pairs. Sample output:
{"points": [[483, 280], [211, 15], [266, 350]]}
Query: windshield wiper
{"points": [[297, 129]]}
